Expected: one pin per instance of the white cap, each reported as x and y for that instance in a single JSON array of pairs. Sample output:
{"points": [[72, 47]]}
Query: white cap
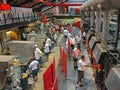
{"points": [[35, 45]]}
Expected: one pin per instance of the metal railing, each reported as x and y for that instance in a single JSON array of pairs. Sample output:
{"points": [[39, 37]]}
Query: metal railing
{"points": [[11, 18]]}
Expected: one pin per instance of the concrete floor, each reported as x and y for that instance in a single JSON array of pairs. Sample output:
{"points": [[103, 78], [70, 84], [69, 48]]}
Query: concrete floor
{"points": [[39, 85], [70, 83]]}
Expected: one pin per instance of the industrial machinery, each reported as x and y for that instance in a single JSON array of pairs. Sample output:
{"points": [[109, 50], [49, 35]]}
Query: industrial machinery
{"points": [[106, 55], [89, 35], [9, 72], [93, 41], [100, 58], [113, 80]]}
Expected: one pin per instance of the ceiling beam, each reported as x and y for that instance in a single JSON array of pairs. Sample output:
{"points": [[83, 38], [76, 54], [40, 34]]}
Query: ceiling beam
{"points": [[39, 8], [22, 3], [63, 4], [36, 4]]}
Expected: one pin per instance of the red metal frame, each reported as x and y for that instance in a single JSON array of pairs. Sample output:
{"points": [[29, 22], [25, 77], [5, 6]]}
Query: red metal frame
{"points": [[50, 78], [69, 48], [47, 78], [63, 61], [53, 70], [55, 85], [4, 7]]}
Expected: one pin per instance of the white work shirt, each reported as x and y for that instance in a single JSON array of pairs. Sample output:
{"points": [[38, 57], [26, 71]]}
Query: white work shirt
{"points": [[34, 65], [65, 32], [78, 38], [81, 65], [37, 53], [84, 34], [76, 52], [57, 26], [66, 43], [47, 49], [74, 49], [69, 35], [55, 36], [48, 41]]}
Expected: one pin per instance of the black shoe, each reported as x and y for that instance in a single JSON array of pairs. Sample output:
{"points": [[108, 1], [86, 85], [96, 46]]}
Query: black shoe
{"points": [[81, 85], [76, 67]]}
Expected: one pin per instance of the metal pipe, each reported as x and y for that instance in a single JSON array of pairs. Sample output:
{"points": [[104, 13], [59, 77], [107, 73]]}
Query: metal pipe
{"points": [[105, 29], [92, 19], [103, 3]]}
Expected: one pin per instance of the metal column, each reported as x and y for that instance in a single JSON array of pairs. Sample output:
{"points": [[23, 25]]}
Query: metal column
{"points": [[92, 19], [98, 21], [105, 31], [82, 17]]}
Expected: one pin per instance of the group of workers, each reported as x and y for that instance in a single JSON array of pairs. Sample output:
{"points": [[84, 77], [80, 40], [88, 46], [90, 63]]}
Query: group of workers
{"points": [[36, 60], [35, 63], [77, 44]]}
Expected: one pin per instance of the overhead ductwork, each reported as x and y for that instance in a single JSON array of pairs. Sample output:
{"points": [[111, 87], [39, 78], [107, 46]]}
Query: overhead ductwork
{"points": [[110, 3], [89, 4], [101, 3]]}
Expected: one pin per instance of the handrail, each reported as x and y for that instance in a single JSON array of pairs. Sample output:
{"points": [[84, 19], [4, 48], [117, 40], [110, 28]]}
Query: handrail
{"points": [[17, 17]]}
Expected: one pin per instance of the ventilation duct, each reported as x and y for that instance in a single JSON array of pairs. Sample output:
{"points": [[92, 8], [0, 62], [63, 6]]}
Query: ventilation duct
{"points": [[104, 3]]}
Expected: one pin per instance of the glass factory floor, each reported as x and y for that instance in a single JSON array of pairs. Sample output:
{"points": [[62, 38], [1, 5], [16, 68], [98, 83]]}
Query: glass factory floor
{"points": [[70, 82]]}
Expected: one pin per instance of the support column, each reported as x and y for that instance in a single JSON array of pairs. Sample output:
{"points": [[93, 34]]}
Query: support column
{"points": [[105, 31], [82, 18], [92, 19], [98, 22]]}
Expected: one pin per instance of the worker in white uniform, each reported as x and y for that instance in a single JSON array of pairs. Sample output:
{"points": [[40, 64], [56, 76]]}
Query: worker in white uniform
{"points": [[47, 50], [37, 54], [81, 69], [34, 66], [65, 32], [49, 42]]}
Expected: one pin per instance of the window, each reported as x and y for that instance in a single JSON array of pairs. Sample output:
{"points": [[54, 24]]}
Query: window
{"points": [[113, 25]]}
